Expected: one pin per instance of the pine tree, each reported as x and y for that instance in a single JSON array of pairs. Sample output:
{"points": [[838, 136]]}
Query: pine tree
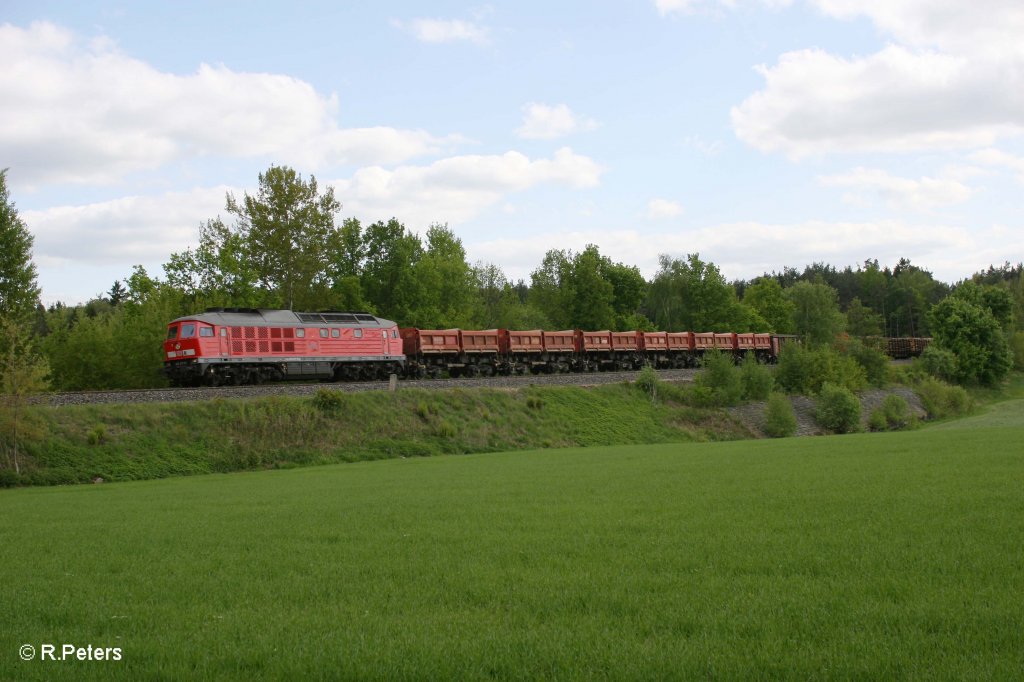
{"points": [[19, 292]]}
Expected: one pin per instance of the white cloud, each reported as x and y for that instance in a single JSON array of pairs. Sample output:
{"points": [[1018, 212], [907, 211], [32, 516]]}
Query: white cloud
{"points": [[446, 31], [76, 112], [458, 188], [897, 192], [136, 229], [544, 122], [995, 157], [953, 79], [658, 209]]}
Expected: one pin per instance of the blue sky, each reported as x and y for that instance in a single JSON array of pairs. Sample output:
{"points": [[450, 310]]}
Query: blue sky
{"points": [[761, 134]]}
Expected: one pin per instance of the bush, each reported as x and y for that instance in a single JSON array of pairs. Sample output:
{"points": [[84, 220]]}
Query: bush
{"points": [[756, 379], [941, 400], [893, 414], [837, 409], [939, 363], [874, 362], [779, 417], [647, 381], [1017, 347], [721, 377], [805, 370], [877, 420], [328, 401], [98, 435]]}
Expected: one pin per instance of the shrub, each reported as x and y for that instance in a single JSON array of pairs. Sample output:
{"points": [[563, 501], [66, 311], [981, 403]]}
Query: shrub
{"points": [[647, 381], [328, 401], [892, 414], [756, 379], [877, 420], [722, 377], [939, 363], [779, 417], [837, 409], [805, 370], [942, 400], [97, 435], [874, 362], [1017, 347]]}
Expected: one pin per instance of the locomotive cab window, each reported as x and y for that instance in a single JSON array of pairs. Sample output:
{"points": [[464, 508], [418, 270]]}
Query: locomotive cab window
{"points": [[172, 332], [323, 333], [358, 333], [300, 333], [335, 333], [188, 331], [206, 331], [394, 333], [223, 331]]}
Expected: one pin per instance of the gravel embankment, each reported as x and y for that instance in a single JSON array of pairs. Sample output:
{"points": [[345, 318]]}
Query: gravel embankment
{"points": [[752, 414], [189, 394]]}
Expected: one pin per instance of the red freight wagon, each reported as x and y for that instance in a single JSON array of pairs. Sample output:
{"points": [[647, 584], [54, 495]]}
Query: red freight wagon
{"points": [[560, 342], [681, 341], [430, 341], [703, 341], [625, 341], [480, 342], [725, 341], [593, 342], [654, 342], [522, 341]]}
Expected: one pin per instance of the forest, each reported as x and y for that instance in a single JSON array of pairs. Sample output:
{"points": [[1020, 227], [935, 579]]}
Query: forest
{"points": [[283, 247]]}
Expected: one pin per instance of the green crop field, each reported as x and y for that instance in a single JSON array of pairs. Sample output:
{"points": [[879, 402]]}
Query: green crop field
{"points": [[872, 556]]}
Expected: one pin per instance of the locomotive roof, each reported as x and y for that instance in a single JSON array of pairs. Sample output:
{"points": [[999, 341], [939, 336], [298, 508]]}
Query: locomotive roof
{"points": [[256, 317]]}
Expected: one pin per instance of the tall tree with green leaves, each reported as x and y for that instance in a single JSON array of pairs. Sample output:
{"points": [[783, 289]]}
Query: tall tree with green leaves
{"points": [[552, 288], [692, 295], [389, 271], [445, 282], [19, 292], [767, 298], [287, 228], [816, 314]]}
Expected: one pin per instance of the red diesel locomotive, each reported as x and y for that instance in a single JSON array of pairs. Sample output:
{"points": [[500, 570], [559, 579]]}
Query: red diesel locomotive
{"points": [[250, 346]]}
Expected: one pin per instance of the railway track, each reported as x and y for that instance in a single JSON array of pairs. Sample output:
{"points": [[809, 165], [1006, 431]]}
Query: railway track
{"points": [[164, 395]]}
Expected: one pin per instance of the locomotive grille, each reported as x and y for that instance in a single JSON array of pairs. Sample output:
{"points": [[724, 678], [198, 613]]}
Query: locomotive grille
{"points": [[236, 332], [250, 346], [289, 346], [250, 332], [236, 346], [264, 346]]}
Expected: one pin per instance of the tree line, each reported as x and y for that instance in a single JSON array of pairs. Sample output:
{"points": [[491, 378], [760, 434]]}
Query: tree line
{"points": [[283, 247]]}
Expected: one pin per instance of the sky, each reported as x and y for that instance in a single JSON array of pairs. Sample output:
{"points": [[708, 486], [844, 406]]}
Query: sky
{"points": [[760, 134]]}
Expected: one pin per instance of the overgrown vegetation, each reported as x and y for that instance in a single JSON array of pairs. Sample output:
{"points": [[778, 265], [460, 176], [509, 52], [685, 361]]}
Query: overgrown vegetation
{"points": [[77, 444], [779, 417], [837, 409], [893, 415]]}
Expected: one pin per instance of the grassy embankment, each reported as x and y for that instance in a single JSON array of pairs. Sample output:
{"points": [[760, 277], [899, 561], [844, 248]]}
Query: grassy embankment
{"points": [[871, 556], [132, 442]]}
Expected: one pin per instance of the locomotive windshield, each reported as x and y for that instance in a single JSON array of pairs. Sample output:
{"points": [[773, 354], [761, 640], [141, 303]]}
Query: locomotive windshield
{"points": [[172, 331], [188, 331]]}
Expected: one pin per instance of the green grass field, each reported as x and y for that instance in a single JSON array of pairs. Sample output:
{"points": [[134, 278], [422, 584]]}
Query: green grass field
{"points": [[872, 556]]}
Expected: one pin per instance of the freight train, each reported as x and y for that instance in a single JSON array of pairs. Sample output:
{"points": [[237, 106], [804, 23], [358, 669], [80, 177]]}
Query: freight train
{"points": [[251, 346]]}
